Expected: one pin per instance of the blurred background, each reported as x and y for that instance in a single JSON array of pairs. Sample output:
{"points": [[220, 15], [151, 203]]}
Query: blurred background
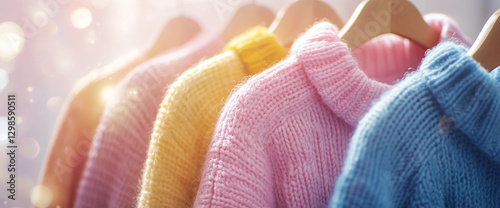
{"points": [[47, 45]]}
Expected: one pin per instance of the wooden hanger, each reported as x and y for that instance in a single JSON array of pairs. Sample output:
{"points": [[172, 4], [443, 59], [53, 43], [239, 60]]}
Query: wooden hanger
{"points": [[486, 48], [376, 17], [176, 32], [298, 16], [246, 17]]}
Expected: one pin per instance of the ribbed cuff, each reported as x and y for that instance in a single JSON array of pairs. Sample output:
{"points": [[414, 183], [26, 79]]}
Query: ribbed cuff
{"points": [[257, 49], [466, 93]]}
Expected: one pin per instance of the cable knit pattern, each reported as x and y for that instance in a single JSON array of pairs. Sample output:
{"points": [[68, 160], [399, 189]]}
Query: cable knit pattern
{"points": [[431, 141], [281, 138], [113, 171], [185, 120]]}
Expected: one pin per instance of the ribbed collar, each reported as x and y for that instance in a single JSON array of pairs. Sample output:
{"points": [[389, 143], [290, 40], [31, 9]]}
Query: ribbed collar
{"points": [[257, 49], [466, 93], [335, 74]]}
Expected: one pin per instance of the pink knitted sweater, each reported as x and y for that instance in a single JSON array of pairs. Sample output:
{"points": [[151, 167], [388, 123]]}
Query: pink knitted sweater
{"points": [[113, 170], [281, 138]]}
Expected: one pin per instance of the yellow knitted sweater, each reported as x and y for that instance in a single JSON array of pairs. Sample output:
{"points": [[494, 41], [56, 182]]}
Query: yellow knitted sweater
{"points": [[187, 115]]}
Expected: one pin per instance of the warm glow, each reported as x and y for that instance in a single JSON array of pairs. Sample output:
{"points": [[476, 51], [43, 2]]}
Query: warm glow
{"points": [[108, 94], [41, 196], [11, 40], [81, 18]]}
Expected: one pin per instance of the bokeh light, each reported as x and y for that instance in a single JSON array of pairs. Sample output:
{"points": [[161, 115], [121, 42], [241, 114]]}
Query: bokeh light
{"points": [[91, 37], [40, 18], [108, 94], [26, 122], [81, 18], [41, 196], [54, 103], [11, 40], [29, 148], [132, 94], [34, 94], [4, 79]]}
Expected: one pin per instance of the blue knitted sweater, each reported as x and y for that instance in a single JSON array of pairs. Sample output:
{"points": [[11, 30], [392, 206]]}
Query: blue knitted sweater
{"points": [[431, 141]]}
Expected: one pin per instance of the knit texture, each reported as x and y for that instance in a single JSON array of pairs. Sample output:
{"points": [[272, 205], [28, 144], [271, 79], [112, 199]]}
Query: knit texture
{"points": [[185, 120], [281, 138], [75, 128], [112, 174], [431, 141], [409, 54]]}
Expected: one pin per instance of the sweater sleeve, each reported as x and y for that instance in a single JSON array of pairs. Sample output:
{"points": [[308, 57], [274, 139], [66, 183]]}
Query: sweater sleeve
{"points": [[185, 121], [73, 135], [237, 172], [182, 126], [120, 145]]}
